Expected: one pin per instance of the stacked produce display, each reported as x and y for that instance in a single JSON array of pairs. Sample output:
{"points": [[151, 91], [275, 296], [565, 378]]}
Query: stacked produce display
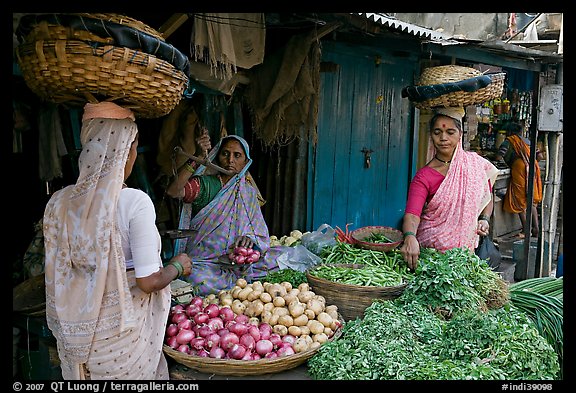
{"points": [[451, 318]]}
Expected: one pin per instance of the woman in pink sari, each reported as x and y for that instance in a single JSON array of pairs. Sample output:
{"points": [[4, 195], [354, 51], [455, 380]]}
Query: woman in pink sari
{"points": [[450, 198]]}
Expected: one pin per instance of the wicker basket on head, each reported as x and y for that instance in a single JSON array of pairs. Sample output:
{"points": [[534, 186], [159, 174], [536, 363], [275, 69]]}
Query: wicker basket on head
{"points": [[74, 72], [454, 73], [351, 300], [53, 29], [361, 234]]}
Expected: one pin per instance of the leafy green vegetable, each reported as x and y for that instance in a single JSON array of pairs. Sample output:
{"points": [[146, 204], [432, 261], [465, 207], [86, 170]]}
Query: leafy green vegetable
{"points": [[292, 276]]}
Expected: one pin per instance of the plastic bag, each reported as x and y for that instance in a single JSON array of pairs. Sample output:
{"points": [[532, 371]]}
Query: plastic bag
{"points": [[297, 258], [488, 252], [315, 241]]}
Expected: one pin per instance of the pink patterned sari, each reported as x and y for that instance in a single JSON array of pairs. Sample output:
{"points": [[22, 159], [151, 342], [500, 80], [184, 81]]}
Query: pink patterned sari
{"points": [[450, 218]]}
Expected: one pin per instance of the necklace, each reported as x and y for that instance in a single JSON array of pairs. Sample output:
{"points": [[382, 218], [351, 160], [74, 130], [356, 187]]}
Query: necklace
{"points": [[445, 162]]}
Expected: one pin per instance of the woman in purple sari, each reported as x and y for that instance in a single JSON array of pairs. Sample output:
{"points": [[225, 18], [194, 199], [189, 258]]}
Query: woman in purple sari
{"points": [[223, 212]]}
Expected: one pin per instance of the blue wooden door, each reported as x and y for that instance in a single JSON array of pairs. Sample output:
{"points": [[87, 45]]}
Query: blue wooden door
{"points": [[362, 116]]}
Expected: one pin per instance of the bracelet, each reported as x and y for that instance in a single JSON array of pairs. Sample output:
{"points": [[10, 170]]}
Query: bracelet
{"points": [[178, 267], [408, 233], [483, 217], [189, 166]]}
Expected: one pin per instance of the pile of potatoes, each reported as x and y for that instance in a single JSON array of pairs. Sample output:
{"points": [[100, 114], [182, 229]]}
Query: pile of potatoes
{"points": [[295, 311]]}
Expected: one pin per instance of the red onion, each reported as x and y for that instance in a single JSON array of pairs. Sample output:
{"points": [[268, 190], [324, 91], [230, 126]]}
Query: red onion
{"points": [[237, 351], [212, 340], [289, 338], [203, 353], [215, 324], [217, 352], [184, 336], [242, 318], [285, 344], [285, 351], [171, 342], [256, 253], [201, 318], [252, 258], [239, 328], [178, 317], [222, 332], [172, 330], [197, 300], [255, 356], [183, 348], [198, 343], [275, 339], [271, 355], [213, 310], [204, 331], [247, 355], [264, 347], [240, 259], [176, 309], [241, 251], [248, 341], [254, 332], [192, 309], [226, 314], [228, 340], [185, 324], [265, 330]]}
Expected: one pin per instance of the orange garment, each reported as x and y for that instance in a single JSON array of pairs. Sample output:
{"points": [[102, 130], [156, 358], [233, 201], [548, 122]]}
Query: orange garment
{"points": [[515, 200]]}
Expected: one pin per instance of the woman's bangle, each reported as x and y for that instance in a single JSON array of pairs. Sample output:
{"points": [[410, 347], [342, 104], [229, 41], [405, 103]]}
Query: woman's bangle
{"points": [[178, 267], [483, 217], [408, 233], [189, 167]]}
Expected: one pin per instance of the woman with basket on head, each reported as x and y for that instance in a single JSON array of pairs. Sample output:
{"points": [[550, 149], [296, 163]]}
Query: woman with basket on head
{"points": [[450, 198], [222, 208], [515, 151], [107, 293]]}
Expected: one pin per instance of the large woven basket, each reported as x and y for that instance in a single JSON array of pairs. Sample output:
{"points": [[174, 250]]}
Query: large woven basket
{"points": [[245, 367], [74, 72], [46, 30], [351, 300], [359, 235], [455, 73], [29, 297]]}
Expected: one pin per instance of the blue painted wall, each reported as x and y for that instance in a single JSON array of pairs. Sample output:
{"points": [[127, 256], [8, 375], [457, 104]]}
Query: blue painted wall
{"points": [[361, 108]]}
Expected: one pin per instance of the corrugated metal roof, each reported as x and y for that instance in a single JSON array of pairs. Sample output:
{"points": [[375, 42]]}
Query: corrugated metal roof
{"points": [[405, 27]]}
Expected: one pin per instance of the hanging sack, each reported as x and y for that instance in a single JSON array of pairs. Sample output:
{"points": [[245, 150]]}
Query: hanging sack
{"points": [[488, 252]]}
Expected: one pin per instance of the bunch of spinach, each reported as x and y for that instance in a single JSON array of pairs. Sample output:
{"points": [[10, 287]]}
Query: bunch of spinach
{"points": [[400, 340], [453, 321], [453, 281]]}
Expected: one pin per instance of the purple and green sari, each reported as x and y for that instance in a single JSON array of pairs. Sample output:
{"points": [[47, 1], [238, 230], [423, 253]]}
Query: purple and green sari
{"points": [[229, 211]]}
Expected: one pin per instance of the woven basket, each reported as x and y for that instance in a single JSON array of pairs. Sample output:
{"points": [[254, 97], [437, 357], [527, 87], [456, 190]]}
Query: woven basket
{"points": [[245, 367], [44, 30], [360, 234], [29, 297], [351, 300], [74, 72], [454, 73]]}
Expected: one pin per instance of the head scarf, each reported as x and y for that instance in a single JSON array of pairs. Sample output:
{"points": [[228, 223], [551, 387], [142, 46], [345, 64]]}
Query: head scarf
{"points": [[87, 293], [455, 112]]}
